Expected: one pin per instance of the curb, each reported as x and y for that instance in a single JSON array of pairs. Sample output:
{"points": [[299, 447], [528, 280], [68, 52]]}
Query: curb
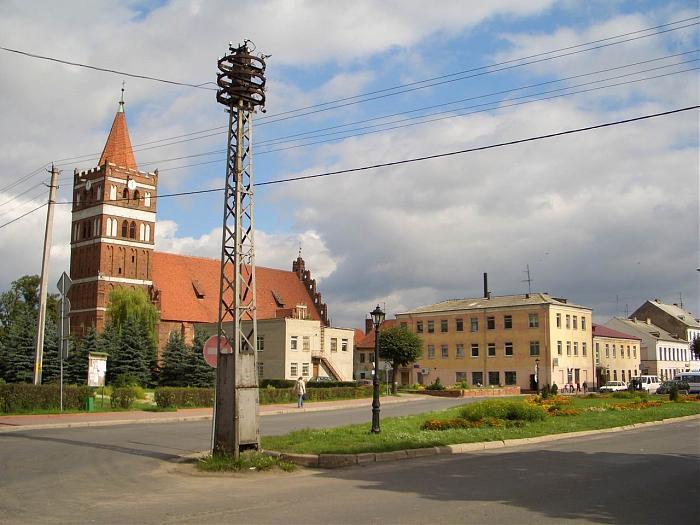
{"points": [[345, 460], [180, 419]]}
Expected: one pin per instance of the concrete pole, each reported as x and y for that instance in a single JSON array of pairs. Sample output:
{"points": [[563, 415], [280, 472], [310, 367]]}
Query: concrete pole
{"points": [[44, 278]]}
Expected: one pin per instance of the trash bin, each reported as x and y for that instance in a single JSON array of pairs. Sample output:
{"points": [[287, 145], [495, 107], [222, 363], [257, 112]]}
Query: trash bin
{"points": [[90, 404]]}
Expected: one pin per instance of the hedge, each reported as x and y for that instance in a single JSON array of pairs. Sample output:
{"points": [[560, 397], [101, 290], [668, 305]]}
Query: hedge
{"points": [[204, 397], [23, 397], [123, 397], [289, 383]]}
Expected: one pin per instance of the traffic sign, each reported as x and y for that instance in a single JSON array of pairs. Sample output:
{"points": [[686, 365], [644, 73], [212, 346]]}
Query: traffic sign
{"points": [[64, 283], [209, 349]]}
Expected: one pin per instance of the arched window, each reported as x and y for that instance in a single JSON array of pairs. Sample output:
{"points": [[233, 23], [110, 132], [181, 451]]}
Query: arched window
{"points": [[113, 193], [137, 197], [99, 193], [78, 196], [114, 227], [148, 233], [125, 193], [125, 228], [88, 230], [108, 227], [142, 232], [147, 199], [132, 230]]}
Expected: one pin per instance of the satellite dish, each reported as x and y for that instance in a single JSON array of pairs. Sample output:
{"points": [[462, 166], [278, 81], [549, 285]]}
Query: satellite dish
{"points": [[88, 185], [131, 184]]}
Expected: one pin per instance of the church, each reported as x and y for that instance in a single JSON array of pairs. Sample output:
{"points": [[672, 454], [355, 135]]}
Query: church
{"points": [[112, 244]]}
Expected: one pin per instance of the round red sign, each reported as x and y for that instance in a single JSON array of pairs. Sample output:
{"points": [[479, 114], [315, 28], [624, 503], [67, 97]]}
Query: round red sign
{"points": [[209, 349]]}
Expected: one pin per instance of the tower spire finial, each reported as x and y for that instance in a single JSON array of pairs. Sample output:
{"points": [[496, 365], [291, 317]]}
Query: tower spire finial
{"points": [[121, 101], [299, 249]]}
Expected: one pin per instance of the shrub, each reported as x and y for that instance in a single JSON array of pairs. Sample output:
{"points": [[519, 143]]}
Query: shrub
{"points": [[277, 383], [625, 394], [123, 397], [673, 393], [183, 397], [463, 385], [23, 397], [511, 410], [330, 384], [435, 385], [545, 392], [554, 389]]}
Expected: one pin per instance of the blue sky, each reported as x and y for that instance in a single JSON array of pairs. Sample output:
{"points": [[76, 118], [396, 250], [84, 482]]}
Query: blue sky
{"points": [[591, 214]]}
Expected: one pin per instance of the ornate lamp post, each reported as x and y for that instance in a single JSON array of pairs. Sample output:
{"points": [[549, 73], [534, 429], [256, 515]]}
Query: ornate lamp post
{"points": [[537, 373], [377, 318]]}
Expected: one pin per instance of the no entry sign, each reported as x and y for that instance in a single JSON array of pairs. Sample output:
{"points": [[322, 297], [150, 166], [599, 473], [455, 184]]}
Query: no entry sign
{"points": [[209, 350]]}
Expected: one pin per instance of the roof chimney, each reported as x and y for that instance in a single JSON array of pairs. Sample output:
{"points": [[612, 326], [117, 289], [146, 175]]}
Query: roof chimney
{"points": [[487, 294], [369, 325]]}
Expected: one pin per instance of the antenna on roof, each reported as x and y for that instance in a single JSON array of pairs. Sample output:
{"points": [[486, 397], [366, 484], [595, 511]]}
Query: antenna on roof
{"points": [[121, 100], [300, 249], [528, 280], [680, 296]]}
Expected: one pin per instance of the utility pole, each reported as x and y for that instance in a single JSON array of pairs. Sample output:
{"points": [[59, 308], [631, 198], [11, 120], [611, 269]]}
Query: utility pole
{"points": [[241, 81], [528, 280], [44, 278]]}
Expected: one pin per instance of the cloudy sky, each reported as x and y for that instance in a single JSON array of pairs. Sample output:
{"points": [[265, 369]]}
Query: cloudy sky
{"points": [[607, 218]]}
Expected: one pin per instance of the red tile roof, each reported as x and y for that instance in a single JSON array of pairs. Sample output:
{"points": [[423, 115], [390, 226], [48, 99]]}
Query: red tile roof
{"points": [[367, 340], [174, 276], [600, 330], [118, 147]]}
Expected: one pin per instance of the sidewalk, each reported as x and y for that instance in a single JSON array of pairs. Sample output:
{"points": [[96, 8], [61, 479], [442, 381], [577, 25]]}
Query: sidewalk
{"points": [[99, 419]]}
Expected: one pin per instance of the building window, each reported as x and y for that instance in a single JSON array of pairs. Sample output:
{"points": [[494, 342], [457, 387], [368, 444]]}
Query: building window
{"points": [[113, 193], [475, 350], [477, 378], [305, 369], [443, 326], [491, 350], [575, 347], [507, 321], [459, 325], [147, 237], [125, 229], [534, 348], [597, 353], [261, 343], [125, 194], [575, 321], [634, 351], [614, 352], [431, 327], [137, 197], [558, 320], [584, 349], [306, 343], [459, 351], [508, 349], [568, 321], [294, 369], [511, 378], [629, 354], [142, 232], [344, 345], [431, 352], [568, 348], [334, 344], [132, 230], [460, 377], [362, 357], [623, 376], [419, 327], [607, 350], [490, 323], [293, 343], [533, 320], [147, 199], [474, 324], [444, 352], [494, 378], [583, 323], [558, 347], [614, 375]]}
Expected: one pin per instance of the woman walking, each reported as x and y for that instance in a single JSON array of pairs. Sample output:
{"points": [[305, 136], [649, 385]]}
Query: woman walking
{"points": [[300, 391]]}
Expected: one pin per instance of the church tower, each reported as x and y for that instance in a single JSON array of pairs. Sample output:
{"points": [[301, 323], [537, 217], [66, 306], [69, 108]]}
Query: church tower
{"points": [[112, 230]]}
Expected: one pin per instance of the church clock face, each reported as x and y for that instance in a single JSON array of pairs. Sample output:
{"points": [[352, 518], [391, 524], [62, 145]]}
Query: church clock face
{"points": [[88, 185], [131, 184]]}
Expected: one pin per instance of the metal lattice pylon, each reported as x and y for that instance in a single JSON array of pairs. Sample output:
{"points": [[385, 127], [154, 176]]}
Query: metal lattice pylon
{"points": [[241, 83]]}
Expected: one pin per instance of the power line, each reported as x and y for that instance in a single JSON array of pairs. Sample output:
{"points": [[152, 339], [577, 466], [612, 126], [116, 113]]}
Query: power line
{"points": [[23, 215], [15, 197], [427, 157], [107, 70], [262, 121]]}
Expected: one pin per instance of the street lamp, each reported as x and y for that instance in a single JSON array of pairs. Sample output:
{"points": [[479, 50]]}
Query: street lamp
{"points": [[537, 373], [377, 318]]}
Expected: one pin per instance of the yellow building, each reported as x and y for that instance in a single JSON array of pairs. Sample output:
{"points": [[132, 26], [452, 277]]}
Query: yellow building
{"points": [[504, 340], [617, 355]]}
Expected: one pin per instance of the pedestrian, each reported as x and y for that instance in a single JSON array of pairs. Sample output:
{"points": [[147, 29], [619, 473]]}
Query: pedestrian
{"points": [[300, 391], [585, 387], [578, 387]]}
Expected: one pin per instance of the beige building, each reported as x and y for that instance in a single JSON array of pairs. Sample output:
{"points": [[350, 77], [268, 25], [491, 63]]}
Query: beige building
{"points": [[503, 340], [289, 348], [617, 355]]}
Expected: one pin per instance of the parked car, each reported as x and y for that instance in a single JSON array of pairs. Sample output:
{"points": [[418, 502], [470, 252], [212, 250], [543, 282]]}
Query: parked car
{"points": [[364, 382], [613, 386], [320, 379], [650, 383], [665, 388]]}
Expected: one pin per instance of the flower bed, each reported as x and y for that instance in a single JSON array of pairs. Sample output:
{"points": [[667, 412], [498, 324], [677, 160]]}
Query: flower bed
{"points": [[473, 392]]}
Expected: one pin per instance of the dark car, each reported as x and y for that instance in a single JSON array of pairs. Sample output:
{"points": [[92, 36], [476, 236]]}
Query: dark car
{"points": [[665, 388]]}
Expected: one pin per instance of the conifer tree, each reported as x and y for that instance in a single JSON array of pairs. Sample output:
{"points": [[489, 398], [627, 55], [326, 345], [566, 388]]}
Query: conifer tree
{"points": [[51, 365], [76, 366], [108, 343], [20, 348], [133, 353], [176, 362], [200, 373]]}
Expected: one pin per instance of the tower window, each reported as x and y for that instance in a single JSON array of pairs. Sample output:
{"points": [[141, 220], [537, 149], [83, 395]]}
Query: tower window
{"points": [[132, 230], [113, 193], [125, 193], [125, 228], [147, 200], [137, 197]]}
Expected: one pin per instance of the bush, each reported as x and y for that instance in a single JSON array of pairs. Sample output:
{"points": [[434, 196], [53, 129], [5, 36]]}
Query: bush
{"points": [[554, 389], [509, 410], [545, 391], [277, 383], [123, 397], [170, 396], [435, 385], [330, 384], [23, 397], [673, 393], [463, 385]]}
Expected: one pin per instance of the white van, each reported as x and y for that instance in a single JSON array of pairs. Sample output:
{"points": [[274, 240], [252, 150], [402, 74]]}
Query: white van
{"points": [[693, 380], [650, 383]]}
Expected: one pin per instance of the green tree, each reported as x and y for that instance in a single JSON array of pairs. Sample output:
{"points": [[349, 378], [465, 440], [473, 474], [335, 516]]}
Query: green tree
{"points": [[109, 342], [400, 348], [200, 373], [50, 361], [176, 362], [19, 348], [76, 366], [695, 348], [132, 357], [126, 303]]}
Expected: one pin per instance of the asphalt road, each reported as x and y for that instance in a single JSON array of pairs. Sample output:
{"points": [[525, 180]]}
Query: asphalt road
{"points": [[128, 474]]}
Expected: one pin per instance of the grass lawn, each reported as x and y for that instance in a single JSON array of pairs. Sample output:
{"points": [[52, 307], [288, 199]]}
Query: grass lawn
{"points": [[405, 432]]}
